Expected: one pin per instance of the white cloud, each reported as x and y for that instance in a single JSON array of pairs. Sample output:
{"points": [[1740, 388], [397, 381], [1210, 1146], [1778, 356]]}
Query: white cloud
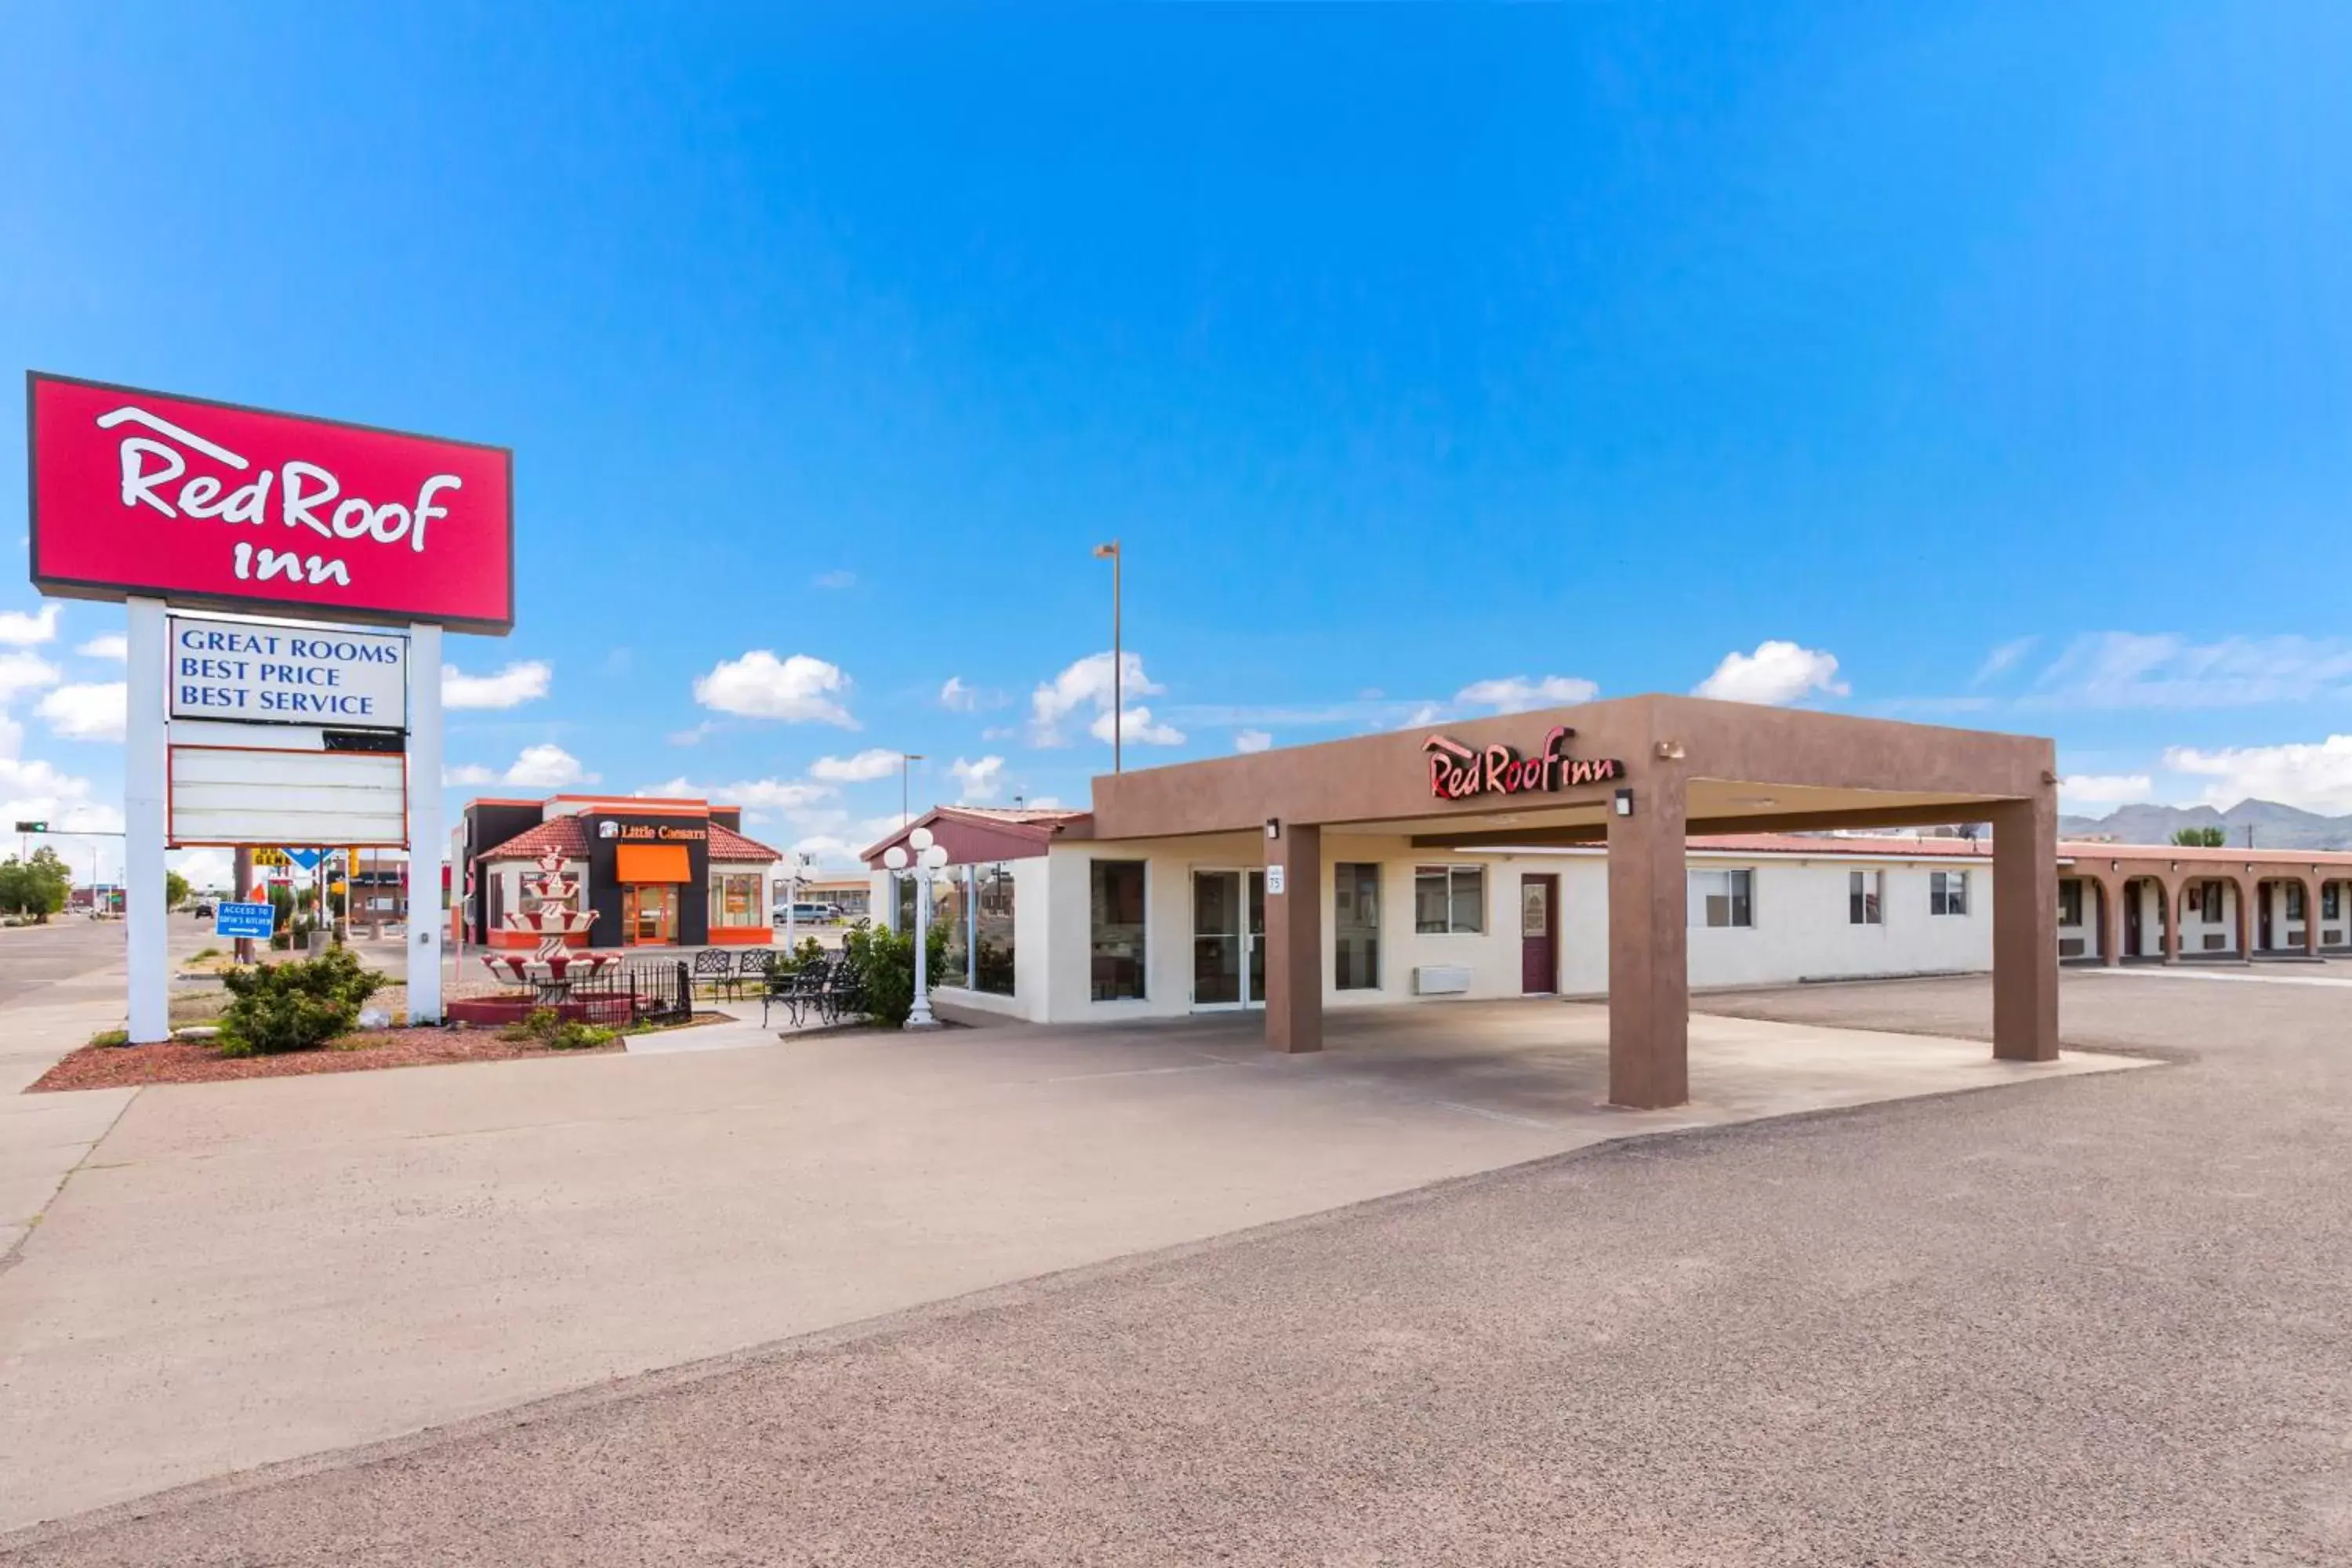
{"points": [[1775, 674], [1252, 741], [89, 710], [835, 580], [1517, 693], [771, 794], [468, 774], [1087, 680], [546, 766], [980, 781], [864, 767], [23, 672], [958, 697], [23, 630], [106, 645], [1137, 728], [759, 685], [2314, 776], [2002, 659], [2105, 789], [510, 687], [207, 870], [2129, 669], [841, 850]]}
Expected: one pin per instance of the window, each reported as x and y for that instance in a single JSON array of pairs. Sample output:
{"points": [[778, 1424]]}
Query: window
{"points": [[991, 967], [2192, 900], [951, 918], [1115, 937], [1449, 899], [1722, 898], [1947, 893], [2294, 900], [2331, 901], [1865, 891], [1356, 927], [2070, 902], [736, 899]]}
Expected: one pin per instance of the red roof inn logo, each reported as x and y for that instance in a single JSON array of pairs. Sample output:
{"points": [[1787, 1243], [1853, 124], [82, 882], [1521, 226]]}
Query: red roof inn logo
{"points": [[1457, 772], [206, 503]]}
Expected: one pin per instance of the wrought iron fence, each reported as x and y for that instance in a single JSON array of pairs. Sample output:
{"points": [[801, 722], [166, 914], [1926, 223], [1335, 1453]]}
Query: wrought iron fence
{"points": [[656, 990]]}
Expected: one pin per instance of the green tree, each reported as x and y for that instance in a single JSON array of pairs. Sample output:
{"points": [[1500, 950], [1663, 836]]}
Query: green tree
{"points": [[2200, 837], [175, 889], [36, 887]]}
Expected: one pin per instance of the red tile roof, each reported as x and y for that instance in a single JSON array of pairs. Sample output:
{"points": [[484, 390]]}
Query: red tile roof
{"points": [[726, 844], [566, 835]]}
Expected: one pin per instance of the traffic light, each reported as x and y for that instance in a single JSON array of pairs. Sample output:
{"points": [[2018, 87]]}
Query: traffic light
{"points": [[32, 827]]}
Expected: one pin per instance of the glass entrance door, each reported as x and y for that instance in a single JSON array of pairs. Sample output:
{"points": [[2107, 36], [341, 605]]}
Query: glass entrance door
{"points": [[1228, 938], [649, 914]]}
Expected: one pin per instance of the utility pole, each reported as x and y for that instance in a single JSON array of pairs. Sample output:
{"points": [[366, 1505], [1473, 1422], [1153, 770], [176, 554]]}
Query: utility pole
{"points": [[906, 813], [1118, 661]]}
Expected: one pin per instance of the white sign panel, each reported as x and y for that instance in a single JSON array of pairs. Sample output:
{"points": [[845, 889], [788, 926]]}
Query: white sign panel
{"points": [[260, 672], [1274, 880], [232, 795]]}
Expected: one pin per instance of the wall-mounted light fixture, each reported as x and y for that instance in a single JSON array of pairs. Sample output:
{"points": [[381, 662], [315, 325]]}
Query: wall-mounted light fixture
{"points": [[1624, 806], [1274, 827], [1670, 750]]}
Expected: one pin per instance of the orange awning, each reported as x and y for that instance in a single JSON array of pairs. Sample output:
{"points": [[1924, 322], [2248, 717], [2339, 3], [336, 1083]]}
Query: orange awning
{"points": [[651, 863]]}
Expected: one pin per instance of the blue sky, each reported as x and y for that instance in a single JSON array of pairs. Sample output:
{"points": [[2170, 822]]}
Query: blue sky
{"points": [[1981, 365]]}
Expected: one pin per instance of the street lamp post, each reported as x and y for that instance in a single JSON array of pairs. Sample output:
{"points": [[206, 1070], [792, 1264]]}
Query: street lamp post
{"points": [[800, 862], [1117, 663], [926, 861], [906, 815]]}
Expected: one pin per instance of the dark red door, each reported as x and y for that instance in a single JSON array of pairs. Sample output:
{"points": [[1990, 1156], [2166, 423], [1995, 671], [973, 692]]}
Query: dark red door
{"points": [[1539, 943]]}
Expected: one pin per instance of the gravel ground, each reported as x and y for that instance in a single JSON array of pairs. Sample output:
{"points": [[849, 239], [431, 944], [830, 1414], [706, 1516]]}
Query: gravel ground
{"points": [[195, 1061], [2096, 1320]]}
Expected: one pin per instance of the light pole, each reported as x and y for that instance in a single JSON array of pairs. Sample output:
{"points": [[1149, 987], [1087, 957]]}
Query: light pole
{"points": [[928, 858], [1117, 664], [905, 816], [800, 862]]}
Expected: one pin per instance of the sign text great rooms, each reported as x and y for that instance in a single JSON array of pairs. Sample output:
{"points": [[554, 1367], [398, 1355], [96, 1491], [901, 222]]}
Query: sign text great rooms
{"points": [[331, 676]]}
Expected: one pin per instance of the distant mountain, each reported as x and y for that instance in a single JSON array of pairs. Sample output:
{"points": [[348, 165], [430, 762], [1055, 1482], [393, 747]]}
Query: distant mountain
{"points": [[2275, 827]]}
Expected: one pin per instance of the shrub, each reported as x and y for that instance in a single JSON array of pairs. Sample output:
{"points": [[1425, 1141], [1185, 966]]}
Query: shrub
{"points": [[111, 1038], [294, 1006], [556, 1032], [884, 962]]}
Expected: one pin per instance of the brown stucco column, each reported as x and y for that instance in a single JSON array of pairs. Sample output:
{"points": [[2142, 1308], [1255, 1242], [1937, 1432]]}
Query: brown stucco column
{"points": [[2250, 914], [2171, 903], [2310, 918], [1649, 970], [1293, 940], [2111, 920], [2025, 928]]}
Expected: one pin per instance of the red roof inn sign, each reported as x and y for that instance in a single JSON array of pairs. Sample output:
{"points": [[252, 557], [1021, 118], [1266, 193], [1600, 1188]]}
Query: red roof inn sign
{"points": [[1457, 772], [141, 493]]}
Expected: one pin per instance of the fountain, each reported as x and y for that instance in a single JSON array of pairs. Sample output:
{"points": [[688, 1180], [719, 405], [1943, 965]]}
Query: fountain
{"points": [[555, 966]]}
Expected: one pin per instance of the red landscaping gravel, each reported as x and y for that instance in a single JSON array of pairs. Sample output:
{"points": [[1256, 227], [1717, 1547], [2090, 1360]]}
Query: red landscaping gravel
{"points": [[194, 1061]]}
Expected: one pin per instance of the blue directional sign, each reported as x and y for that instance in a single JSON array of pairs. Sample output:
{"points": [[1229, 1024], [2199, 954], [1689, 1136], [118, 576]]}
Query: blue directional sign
{"points": [[255, 921], [306, 859]]}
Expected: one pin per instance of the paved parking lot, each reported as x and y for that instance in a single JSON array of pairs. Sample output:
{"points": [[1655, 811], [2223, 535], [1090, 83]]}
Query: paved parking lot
{"points": [[2091, 1319], [241, 1273]]}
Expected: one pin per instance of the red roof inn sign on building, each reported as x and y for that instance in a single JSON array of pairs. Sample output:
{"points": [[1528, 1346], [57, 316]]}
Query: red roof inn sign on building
{"points": [[245, 731]]}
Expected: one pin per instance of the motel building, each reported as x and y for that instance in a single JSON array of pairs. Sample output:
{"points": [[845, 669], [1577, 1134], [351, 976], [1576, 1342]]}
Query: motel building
{"points": [[658, 872], [1629, 851]]}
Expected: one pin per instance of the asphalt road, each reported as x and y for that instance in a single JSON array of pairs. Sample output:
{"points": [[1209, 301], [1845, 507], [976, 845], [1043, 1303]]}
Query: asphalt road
{"points": [[34, 958], [2089, 1321]]}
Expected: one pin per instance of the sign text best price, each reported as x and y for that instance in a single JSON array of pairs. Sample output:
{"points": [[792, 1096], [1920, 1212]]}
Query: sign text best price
{"points": [[330, 676]]}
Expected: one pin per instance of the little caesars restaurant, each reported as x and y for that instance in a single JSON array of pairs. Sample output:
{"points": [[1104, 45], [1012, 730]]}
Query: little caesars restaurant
{"points": [[658, 873], [1545, 852]]}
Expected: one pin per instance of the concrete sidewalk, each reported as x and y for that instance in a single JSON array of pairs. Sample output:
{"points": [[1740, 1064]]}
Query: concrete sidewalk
{"points": [[44, 1137], [250, 1271]]}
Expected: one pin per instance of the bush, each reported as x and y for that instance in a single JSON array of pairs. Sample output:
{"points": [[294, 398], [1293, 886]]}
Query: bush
{"points": [[294, 1006], [558, 1032], [884, 962]]}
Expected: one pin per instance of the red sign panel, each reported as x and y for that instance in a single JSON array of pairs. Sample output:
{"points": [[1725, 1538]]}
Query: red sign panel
{"points": [[1457, 772], [210, 504]]}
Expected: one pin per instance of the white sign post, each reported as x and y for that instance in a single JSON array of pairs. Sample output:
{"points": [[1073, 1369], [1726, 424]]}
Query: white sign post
{"points": [[425, 842], [144, 761]]}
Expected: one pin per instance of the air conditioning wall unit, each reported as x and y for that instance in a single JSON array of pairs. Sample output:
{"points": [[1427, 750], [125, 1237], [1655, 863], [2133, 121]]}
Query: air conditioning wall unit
{"points": [[1441, 979]]}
